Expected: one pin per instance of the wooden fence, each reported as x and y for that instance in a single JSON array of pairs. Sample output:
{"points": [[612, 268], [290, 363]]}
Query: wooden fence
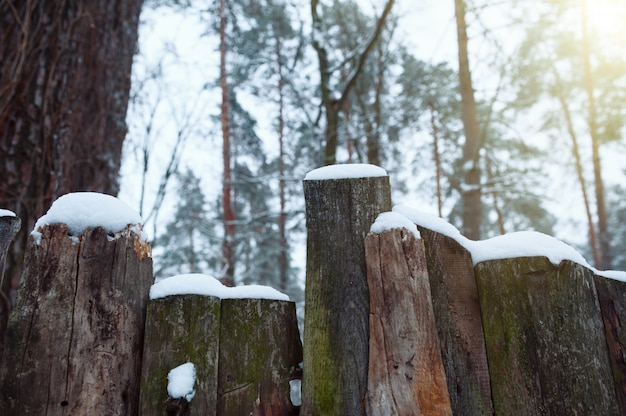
{"points": [[395, 324]]}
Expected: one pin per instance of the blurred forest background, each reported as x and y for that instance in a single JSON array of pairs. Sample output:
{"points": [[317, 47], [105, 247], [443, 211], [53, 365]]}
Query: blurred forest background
{"points": [[508, 116]]}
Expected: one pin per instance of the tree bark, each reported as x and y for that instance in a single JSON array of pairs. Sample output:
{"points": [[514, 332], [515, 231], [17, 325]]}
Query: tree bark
{"points": [[470, 191], [545, 339], [406, 374], [181, 329], [9, 226], [336, 329], [64, 91], [459, 324], [74, 340]]}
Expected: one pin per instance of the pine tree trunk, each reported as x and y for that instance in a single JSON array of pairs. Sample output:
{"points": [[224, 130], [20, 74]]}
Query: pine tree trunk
{"points": [[336, 329], [406, 374], [459, 324], [9, 226], [545, 338], [64, 89], [74, 340], [603, 232], [228, 249], [470, 191]]}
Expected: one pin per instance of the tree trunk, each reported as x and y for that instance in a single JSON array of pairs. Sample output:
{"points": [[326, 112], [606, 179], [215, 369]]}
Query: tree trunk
{"points": [[470, 191], [406, 374], [336, 329], [260, 351], [459, 323], [228, 249], [282, 217], [603, 232], [181, 329], [64, 91], [9, 226], [74, 340], [613, 307], [545, 339]]}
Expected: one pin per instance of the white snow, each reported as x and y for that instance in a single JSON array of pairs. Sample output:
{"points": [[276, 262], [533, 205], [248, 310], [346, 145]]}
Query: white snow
{"points": [[390, 220], [201, 284], [6, 213], [295, 392], [180, 382], [345, 171], [82, 210], [512, 245]]}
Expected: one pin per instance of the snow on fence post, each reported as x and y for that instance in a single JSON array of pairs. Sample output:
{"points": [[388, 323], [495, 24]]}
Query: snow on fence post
{"points": [[243, 341], [545, 338], [406, 373], [9, 226], [74, 339], [342, 202]]}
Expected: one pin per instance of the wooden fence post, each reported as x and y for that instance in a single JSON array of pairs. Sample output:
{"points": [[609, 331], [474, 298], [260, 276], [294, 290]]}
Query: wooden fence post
{"points": [[339, 213], [406, 375], [245, 350], [459, 323], [545, 339], [612, 298], [9, 226], [181, 329], [260, 350], [74, 340]]}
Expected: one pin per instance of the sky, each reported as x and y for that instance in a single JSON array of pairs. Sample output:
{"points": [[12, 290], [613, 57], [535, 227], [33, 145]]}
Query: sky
{"points": [[173, 43]]}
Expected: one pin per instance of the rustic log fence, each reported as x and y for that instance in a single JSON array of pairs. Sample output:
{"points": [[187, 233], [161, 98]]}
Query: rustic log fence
{"points": [[396, 323]]}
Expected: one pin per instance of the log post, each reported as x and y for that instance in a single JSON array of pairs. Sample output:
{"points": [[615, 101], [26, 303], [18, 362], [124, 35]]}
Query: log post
{"points": [[74, 339], [406, 375], [545, 339], [459, 323], [180, 329], [612, 298], [260, 351], [9, 226], [339, 213]]}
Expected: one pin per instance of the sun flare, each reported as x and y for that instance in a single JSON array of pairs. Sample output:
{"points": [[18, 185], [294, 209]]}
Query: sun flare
{"points": [[605, 19]]}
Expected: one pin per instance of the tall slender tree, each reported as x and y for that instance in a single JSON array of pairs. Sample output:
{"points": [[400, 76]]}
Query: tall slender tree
{"points": [[471, 190]]}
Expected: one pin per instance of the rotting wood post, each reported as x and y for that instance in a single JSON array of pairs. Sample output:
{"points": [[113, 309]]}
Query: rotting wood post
{"points": [[406, 374], [339, 214], [260, 351], [613, 306], [9, 226], [459, 323], [180, 329], [545, 338], [74, 339]]}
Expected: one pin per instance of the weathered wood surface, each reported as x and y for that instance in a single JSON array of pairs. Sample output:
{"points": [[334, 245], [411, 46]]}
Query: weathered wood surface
{"points": [[406, 375], [339, 214], [545, 338], [612, 298], [260, 350], [459, 324], [181, 329], [74, 340], [9, 226]]}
